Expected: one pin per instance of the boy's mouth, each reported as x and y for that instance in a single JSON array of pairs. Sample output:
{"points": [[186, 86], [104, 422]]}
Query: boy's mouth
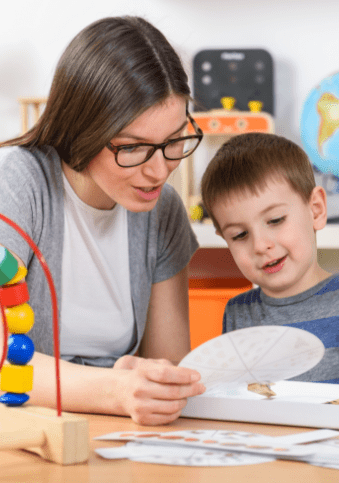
{"points": [[275, 265]]}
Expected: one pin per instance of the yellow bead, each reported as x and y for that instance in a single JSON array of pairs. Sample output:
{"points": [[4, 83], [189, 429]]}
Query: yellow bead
{"points": [[196, 213], [20, 319], [17, 379], [21, 273], [227, 103], [255, 106]]}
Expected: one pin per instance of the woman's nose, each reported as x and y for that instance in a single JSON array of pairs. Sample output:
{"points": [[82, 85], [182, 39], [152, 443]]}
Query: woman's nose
{"points": [[157, 167]]}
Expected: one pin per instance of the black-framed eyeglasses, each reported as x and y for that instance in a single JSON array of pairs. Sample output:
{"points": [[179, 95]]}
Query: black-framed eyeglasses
{"points": [[130, 155]]}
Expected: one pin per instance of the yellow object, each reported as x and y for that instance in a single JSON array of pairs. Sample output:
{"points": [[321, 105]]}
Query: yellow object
{"points": [[20, 319], [227, 103], [196, 212], [21, 273], [328, 109], [255, 106], [18, 379]]}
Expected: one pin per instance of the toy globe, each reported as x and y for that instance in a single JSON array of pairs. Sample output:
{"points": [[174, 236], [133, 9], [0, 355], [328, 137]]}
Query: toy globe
{"points": [[319, 125]]}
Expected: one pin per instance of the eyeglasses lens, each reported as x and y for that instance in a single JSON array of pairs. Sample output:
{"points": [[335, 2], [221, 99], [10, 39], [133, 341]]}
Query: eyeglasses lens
{"points": [[181, 149]]}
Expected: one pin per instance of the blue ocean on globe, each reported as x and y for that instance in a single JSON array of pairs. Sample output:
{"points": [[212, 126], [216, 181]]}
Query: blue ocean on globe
{"points": [[319, 125]]}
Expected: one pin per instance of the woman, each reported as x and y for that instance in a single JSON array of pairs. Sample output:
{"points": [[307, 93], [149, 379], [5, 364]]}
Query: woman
{"points": [[87, 183]]}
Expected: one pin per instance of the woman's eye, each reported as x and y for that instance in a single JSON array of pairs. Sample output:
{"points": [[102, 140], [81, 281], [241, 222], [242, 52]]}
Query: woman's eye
{"points": [[129, 149], [276, 221], [241, 236]]}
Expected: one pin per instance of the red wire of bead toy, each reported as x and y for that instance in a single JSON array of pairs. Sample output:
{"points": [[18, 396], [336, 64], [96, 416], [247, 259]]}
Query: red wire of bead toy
{"points": [[54, 302]]}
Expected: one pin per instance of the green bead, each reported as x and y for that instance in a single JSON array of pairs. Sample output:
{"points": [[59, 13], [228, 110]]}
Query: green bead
{"points": [[8, 266]]}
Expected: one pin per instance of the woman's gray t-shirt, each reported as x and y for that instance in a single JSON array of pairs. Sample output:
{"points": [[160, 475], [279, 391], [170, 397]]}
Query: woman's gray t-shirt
{"points": [[161, 241]]}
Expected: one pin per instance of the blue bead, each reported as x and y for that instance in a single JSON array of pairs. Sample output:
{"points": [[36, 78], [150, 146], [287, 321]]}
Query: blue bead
{"points": [[14, 399], [20, 349]]}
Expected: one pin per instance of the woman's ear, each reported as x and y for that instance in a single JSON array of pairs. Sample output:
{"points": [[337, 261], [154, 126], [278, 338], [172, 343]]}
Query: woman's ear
{"points": [[318, 205]]}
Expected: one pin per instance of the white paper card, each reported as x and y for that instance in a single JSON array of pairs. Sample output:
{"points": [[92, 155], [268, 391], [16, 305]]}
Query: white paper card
{"points": [[291, 391], [262, 354], [214, 440], [179, 456]]}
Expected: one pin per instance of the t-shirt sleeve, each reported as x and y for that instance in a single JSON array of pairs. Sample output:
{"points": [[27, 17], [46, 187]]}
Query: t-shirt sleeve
{"points": [[176, 239], [16, 200], [228, 323]]}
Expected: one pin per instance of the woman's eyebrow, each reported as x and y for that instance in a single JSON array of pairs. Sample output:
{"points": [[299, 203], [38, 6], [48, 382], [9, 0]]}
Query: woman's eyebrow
{"points": [[180, 128], [138, 138]]}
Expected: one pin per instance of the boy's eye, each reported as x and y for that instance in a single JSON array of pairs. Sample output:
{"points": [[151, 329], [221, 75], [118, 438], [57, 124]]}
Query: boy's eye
{"points": [[276, 221], [241, 236]]}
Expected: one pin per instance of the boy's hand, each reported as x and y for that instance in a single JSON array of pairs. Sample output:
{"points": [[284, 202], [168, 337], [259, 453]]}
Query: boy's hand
{"points": [[154, 391]]}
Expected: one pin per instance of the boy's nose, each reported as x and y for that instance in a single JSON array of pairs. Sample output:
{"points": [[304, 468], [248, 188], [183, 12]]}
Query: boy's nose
{"points": [[157, 167], [262, 242]]}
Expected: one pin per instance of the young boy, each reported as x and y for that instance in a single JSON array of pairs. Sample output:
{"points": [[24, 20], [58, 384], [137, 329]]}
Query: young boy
{"points": [[260, 192]]}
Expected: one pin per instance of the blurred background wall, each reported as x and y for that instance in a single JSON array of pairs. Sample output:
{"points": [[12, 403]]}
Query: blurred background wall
{"points": [[301, 36]]}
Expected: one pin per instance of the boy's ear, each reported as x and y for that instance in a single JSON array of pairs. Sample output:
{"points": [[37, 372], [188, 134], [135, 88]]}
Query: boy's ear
{"points": [[318, 205]]}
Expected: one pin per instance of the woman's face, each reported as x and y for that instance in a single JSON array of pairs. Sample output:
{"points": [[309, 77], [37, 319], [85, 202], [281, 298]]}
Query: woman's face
{"points": [[137, 188]]}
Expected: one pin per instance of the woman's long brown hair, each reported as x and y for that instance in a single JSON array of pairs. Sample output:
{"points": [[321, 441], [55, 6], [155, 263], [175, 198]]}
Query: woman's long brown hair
{"points": [[110, 73]]}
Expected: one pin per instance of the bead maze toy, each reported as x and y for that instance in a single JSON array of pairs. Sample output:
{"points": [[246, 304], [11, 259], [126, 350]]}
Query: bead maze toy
{"points": [[56, 436]]}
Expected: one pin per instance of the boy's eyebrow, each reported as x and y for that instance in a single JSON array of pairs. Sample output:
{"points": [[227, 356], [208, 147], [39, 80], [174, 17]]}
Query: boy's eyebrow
{"points": [[268, 208]]}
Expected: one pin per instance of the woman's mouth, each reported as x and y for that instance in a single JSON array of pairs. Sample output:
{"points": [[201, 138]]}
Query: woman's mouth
{"points": [[275, 265], [149, 193]]}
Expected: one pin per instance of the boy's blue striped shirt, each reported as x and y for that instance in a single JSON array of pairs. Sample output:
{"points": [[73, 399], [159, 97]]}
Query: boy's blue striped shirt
{"points": [[316, 311]]}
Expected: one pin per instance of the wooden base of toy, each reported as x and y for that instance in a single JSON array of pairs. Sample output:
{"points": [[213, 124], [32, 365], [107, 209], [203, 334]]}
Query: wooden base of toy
{"points": [[63, 440]]}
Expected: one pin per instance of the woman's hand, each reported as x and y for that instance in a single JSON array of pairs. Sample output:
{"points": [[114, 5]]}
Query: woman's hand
{"points": [[154, 391]]}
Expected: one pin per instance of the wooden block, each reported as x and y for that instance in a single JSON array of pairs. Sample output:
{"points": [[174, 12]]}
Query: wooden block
{"points": [[64, 439], [20, 319], [16, 378]]}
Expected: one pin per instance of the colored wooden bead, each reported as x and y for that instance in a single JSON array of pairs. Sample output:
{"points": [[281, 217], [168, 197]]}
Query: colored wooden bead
{"points": [[11, 295], [13, 399], [21, 273], [8, 266], [16, 379], [20, 349], [20, 319]]}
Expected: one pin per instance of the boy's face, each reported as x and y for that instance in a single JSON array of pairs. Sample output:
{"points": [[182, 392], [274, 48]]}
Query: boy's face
{"points": [[272, 236]]}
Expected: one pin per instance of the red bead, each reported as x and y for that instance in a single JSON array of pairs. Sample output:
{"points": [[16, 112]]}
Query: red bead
{"points": [[12, 295]]}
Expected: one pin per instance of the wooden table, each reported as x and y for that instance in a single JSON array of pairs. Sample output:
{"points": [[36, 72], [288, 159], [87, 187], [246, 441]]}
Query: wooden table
{"points": [[24, 467]]}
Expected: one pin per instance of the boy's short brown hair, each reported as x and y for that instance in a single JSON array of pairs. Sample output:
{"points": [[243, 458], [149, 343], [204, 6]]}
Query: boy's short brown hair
{"points": [[246, 161]]}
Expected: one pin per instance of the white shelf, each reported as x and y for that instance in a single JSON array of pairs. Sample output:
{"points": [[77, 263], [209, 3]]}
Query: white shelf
{"points": [[328, 238]]}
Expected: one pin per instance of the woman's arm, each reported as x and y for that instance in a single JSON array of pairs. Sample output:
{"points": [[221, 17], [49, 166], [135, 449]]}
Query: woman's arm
{"points": [[167, 329], [151, 391]]}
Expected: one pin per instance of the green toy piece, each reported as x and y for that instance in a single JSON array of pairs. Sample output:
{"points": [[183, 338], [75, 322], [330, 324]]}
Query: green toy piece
{"points": [[8, 266]]}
